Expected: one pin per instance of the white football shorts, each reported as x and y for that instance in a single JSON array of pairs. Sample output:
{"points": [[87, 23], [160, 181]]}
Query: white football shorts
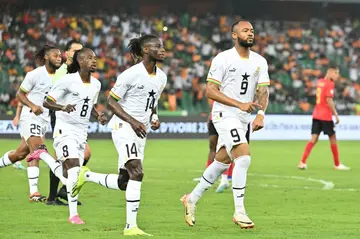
{"points": [[69, 147], [231, 130], [32, 126], [127, 143]]}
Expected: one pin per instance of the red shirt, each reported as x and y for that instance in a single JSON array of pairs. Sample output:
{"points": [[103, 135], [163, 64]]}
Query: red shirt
{"points": [[324, 89]]}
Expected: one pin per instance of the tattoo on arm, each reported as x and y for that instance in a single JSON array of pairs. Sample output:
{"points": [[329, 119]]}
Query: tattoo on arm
{"points": [[262, 96]]}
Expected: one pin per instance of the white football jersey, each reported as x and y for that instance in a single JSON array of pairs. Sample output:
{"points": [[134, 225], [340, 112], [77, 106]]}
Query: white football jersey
{"points": [[238, 78], [138, 93], [37, 84], [70, 89]]}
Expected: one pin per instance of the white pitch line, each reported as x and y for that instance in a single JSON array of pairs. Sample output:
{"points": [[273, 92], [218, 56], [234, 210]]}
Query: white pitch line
{"points": [[326, 185]]}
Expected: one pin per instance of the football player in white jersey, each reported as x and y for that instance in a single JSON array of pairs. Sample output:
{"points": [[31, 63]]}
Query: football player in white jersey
{"points": [[235, 76], [133, 100], [78, 93], [34, 119]]}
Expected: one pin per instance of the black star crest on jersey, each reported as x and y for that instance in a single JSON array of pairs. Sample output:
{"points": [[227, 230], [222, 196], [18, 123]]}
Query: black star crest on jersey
{"points": [[86, 100], [245, 77], [152, 93]]}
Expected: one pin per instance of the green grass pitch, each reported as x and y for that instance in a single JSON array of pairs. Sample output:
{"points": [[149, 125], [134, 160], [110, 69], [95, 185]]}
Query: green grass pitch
{"points": [[282, 201]]}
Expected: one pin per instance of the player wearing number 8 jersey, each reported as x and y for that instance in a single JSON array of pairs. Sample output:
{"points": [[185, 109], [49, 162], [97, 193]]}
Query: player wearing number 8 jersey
{"points": [[133, 100], [73, 98], [322, 117], [235, 76]]}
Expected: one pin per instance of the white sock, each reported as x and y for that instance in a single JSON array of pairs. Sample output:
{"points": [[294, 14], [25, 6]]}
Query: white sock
{"points": [[4, 160], [105, 180], [17, 163], [73, 174], [55, 166], [241, 166], [33, 176], [211, 174], [132, 202], [224, 179]]}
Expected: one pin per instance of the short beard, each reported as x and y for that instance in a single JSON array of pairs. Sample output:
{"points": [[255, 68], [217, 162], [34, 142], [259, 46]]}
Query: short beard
{"points": [[245, 43], [53, 66]]}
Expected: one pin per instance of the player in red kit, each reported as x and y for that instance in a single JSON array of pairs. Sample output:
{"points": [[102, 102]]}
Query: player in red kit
{"points": [[322, 117]]}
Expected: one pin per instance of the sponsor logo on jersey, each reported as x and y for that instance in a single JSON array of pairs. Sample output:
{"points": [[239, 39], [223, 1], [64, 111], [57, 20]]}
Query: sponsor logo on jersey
{"points": [[256, 73]]}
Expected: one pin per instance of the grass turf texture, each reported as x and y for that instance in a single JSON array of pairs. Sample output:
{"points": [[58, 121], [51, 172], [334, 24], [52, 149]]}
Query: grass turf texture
{"points": [[281, 207]]}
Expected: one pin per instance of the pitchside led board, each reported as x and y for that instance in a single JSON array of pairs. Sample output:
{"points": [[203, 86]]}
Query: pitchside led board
{"points": [[277, 127]]}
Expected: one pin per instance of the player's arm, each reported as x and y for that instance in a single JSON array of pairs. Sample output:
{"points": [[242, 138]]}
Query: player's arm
{"points": [[56, 92], [213, 92], [262, 97], [17, 114], [118, 110], [331, 104], [101, 117], [51, 104], [21, 95]]}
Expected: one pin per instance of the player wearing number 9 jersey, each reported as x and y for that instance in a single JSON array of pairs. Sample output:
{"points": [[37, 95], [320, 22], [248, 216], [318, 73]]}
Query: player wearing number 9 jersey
{"points": [[73, 98], [133, 100], [235, 76], [322, 117]]}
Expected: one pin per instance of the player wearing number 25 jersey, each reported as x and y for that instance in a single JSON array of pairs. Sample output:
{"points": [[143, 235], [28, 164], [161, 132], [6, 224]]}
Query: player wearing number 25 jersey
{"points": [[322, 117]]}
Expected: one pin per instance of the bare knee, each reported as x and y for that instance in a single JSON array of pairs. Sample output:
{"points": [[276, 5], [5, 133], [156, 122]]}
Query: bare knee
{"points": [[71, 163], [222, 156], [134, 168], [332, 139], [314, 139]]}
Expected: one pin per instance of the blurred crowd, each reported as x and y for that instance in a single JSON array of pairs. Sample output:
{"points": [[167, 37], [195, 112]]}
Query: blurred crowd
{"points": [[297, 53]]}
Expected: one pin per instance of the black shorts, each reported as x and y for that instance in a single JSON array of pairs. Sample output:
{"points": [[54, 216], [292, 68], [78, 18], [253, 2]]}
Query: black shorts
{"points": [[52, 119], [325, 126], [212, 130]]}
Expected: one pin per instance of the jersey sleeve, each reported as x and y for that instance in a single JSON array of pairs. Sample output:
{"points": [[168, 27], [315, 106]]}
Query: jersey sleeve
{"points": [[97, 94], [264, 78], [28, 83], [58, 90], [121, 86], [329, 90], [217, 71]]}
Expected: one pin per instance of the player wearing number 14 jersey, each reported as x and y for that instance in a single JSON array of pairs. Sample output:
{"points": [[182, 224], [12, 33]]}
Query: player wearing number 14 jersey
{"points": [[322, 117], [235, 76], [73, 98], [133, 100]]}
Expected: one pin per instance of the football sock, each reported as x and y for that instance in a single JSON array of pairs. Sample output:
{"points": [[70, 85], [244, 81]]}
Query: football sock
{"points": [[211, 174], [230, 170], [241, 166], [54, 183], [208, 162], [33, 176], [4, 160], [71, 181], [105, 180], [54, 165], [307, 151], [335, 153], [224, 178], [132, 202]]}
